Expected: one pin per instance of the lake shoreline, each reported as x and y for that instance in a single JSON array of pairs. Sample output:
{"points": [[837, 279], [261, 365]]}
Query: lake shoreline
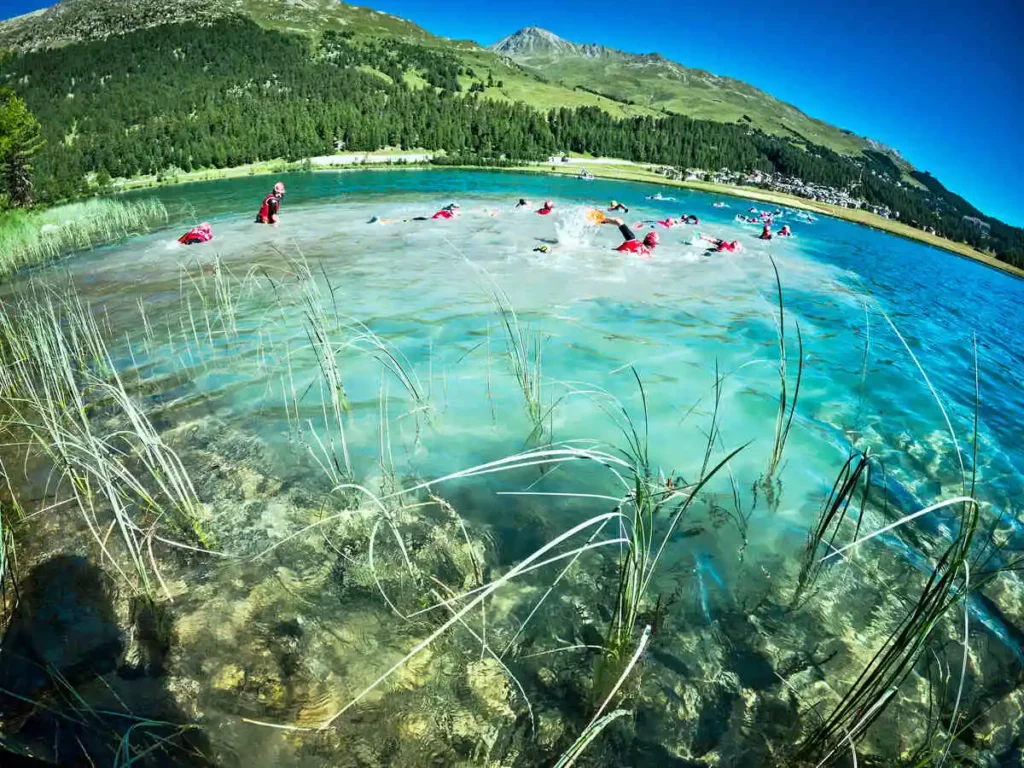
{"points": [[604, 168]]}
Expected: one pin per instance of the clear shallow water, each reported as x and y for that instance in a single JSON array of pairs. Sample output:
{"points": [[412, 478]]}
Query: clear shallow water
{"points": [[427, 288]]}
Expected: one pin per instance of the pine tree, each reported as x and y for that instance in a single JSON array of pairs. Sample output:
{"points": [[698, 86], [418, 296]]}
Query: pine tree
{"points": [[19, 141]]}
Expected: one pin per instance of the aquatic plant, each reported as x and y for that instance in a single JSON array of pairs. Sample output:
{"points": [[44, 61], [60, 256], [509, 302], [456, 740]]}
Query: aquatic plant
{"points": [[524, 348], [949, 584], [787, 404], [653, 508], [57, 377], [831, 518], [391, 359], [33, 237], [591, 732], [320, 325], [8, 555]]}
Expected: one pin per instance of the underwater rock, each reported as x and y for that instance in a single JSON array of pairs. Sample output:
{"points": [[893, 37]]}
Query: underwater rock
{"points": [[149, 639], [1000, 731], [64, 624], [477, 726], [230, 677], [551, 727], [490, 684], [62, 649], [414, 673]]}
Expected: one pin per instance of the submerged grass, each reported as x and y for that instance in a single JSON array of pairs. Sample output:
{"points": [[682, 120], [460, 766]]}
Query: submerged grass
{"points": [[9, 513], [949, 584], [831, 518], [67, 400], [28, 238], [787, 403], [524, 347]]}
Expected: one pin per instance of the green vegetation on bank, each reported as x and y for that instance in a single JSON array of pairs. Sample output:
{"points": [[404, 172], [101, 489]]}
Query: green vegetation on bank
{"points": [[33, 237], [230, 92]]}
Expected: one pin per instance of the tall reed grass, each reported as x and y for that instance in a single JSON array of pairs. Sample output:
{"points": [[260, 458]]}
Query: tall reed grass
{"points": [[28, 238], [525, 347], [67, 401], [787, 399], [948, 585]]}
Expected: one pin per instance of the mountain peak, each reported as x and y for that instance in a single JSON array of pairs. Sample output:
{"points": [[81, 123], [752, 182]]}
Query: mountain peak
{"points": [[537, 44], [533, 41]]}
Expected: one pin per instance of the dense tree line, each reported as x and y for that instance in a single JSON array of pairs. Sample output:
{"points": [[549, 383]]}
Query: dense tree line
{"points": [[229, 92]]}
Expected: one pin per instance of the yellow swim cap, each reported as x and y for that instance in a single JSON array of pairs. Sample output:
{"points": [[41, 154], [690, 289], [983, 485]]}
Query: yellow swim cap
{"points": [[614, 203]]}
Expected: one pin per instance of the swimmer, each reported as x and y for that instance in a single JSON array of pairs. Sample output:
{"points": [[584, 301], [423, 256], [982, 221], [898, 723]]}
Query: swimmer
{"points": [[617, 206], [269, 211], [719, 205], [542, 249], [200, 234], [450, 211], [661, 197], [523, 203], [721, 245], [785, 231], [689, 218], [766, 233], [643, 248], [546, 209]]}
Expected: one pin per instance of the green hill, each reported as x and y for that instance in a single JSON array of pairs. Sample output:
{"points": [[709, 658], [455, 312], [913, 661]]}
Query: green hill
{"points": [[653, 81], [77, 21], [533, 65]]}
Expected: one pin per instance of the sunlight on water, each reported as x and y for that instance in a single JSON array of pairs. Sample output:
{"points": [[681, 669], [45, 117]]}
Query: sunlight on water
{"points": [[285, 364]]}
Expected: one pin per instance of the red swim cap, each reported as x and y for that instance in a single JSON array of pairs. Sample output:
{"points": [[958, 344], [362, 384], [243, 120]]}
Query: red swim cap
{"points": [[205, 226], [279, 188], [651, 239]]}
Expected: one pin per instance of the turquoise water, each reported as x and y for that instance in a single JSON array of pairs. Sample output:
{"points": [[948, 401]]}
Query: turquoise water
{"points": [[224, 348]]}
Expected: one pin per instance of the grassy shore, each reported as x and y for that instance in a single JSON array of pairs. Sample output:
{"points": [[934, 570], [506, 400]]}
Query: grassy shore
{"points": [[600, 167], [384, 158], [28, 238]]}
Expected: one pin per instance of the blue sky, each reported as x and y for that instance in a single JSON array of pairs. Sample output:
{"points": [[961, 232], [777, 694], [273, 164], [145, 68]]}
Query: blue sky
{"points": [[941, 81]]}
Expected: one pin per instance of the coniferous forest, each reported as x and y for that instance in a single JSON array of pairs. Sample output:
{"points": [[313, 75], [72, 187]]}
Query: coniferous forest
{"points": [[230, 92]]}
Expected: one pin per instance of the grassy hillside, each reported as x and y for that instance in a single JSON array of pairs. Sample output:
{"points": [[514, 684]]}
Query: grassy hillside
{"points": [[83, 20], [517, 84], [668, 87], [652, 81]]}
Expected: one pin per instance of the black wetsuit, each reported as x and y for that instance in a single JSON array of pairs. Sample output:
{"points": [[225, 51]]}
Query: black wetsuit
{"points": [[627, 233], [620, 207]]}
